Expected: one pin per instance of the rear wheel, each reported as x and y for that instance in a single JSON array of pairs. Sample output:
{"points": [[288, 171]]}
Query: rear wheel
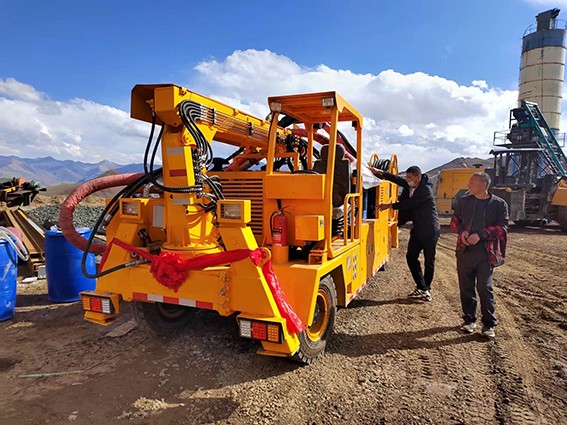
{"points": [[162, 319], [313, 340]]}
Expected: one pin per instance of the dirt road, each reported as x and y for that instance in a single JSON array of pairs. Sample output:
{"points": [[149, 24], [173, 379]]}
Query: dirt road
{"points": [[391, 360]]}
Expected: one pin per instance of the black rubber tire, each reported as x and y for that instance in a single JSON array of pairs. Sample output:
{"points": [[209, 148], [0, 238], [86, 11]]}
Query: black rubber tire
{"points": [[531, 223], [310, 349], [562, 218], [521, 223], [162, 319]]}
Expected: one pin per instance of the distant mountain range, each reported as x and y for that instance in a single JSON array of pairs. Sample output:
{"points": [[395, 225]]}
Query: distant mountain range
{"points": [[63, 176], [50, 171]]}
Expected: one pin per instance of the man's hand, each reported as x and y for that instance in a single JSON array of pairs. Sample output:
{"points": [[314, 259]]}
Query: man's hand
{"points": [[463, 238], [384, 207], [377, 172], [473, 239]]}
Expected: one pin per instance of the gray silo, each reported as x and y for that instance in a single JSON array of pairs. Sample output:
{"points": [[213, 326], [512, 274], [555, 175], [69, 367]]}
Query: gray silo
{"points": [[543, 66]]}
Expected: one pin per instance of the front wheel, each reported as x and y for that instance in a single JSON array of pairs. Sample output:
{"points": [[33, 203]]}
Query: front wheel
{"points": [[313, 340], [163, 319]]}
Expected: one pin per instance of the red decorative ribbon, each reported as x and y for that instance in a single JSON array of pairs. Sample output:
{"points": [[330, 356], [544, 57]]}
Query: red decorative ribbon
{"points": [[171, 269]]}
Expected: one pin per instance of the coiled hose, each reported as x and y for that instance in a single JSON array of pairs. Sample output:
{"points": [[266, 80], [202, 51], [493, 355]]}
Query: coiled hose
{"points": [[15, 242], [381, 164]]}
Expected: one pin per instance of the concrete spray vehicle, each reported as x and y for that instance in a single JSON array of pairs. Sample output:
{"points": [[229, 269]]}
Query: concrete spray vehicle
{"points": [[276, 234]]}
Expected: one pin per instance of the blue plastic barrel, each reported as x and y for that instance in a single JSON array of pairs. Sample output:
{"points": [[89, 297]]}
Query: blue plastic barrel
{"points": [[63, 267], [8, 279]]}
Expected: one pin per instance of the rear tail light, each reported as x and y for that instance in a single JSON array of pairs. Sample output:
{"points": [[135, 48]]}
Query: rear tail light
{"points": [[263, 331], [98, 304]]}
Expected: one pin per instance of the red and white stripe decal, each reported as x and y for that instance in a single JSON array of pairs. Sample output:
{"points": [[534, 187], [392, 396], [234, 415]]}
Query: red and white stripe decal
{"points": [[353, 296], [356, 292], [172, 300]]}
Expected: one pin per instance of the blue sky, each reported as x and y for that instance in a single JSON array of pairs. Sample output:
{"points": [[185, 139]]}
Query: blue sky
{"points": [[77, 53]]}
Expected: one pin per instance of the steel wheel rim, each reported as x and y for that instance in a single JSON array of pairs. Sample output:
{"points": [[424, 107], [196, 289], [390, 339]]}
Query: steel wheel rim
{"points": [[320, 316]]}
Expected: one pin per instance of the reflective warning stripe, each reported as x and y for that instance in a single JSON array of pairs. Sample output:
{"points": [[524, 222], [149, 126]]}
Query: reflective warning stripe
{"points": [[353, 296], [356, 292], [172, 300]]}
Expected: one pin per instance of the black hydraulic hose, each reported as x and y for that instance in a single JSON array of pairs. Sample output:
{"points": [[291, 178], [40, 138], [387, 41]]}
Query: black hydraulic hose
{"points": [[102, 217], [149, 170], [109, 211], [154, 152], [149, 143], [202, 158], [189, 112]]}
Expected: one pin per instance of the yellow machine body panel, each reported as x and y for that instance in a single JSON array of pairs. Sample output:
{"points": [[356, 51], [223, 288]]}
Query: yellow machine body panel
{"points": [[560, 195], [451, 183]]}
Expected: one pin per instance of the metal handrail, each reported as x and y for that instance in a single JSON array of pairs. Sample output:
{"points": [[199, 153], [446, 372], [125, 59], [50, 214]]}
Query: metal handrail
{"points": [[502, 137], [556, 26], [352, 212]]}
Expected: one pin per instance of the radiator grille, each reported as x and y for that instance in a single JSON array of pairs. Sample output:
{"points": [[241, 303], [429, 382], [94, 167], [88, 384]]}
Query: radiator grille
{"points": [[247, 188]]}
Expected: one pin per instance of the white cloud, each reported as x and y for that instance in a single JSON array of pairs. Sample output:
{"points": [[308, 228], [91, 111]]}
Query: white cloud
{"points": [[20, 91], [32, 125], [404, 130], [481, 84], [427, 120]]}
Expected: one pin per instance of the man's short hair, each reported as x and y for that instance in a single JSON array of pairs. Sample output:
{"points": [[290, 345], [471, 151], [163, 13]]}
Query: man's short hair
{"points": [[415, 170], [484, 177]]}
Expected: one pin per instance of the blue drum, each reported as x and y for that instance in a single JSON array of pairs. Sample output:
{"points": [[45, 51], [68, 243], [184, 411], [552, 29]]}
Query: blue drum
{"points": [[8, 280], [63, 267]]}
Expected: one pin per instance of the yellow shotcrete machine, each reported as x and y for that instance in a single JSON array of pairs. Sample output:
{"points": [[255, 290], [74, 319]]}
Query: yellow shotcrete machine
{"points": [[277, 234]]}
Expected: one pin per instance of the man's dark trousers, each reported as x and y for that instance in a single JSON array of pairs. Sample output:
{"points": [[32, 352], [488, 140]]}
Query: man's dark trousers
{"points": [[427, 244], [475, 272]]}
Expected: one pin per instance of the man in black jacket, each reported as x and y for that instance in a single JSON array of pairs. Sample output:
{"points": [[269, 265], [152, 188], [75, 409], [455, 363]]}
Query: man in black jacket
{"points": [[416, 204]]}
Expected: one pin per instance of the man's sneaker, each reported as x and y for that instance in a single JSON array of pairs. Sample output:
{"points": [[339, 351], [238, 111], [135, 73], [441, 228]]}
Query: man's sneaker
{"points": [[426, 296], [488, 332], [417, 294], [469, 327]]}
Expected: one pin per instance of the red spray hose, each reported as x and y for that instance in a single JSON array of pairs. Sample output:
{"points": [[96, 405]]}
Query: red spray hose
{"points": [[80, 193]]}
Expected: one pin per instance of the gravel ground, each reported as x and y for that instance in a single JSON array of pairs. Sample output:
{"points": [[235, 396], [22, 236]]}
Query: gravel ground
{"points": [[390, 361], [47, 215]]}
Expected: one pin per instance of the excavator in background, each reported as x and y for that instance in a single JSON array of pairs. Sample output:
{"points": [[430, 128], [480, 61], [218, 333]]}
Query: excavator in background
{"points": [[273, 234], [530, 169]]}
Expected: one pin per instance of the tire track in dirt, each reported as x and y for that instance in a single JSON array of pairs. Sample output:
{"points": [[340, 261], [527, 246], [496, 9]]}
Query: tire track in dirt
{"points": [[515, 364], [470, 366], [447, 368], [516, 398], [531, 294]]}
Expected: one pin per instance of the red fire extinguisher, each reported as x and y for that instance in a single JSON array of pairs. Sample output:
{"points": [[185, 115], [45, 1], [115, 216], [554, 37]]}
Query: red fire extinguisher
{"points": [[279, 228]]}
